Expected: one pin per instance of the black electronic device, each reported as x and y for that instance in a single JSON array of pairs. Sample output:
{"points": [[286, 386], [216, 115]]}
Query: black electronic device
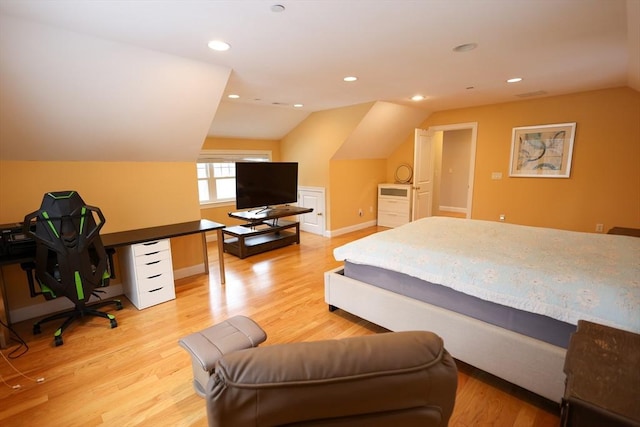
{"points": [[265, 184], [14, 242]]}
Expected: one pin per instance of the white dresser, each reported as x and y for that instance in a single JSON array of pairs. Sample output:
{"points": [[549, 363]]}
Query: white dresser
{"points": [[148, 273], [394, 204]]}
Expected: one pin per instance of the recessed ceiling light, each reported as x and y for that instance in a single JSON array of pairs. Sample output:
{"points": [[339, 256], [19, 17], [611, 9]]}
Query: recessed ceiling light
{"points": [[350, 79], [417, 97], [465, 47], [515, 80], [234, 96], [277, 8], [219, 45], [298, 105]]}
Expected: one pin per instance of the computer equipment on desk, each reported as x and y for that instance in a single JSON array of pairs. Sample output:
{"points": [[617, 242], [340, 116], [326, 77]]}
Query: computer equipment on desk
{"points": [[14, 242]]}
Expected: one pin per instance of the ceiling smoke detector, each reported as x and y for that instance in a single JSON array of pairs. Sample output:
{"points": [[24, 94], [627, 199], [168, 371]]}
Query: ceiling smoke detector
{"points": [[465, 47]]}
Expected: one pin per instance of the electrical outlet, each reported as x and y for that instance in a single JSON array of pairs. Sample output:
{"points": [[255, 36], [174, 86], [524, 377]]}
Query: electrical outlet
{"points": [[502, 217], [599, 228]]}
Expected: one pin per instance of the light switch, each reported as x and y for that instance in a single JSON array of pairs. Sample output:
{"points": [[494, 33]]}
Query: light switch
{"points": [[496, 175]]}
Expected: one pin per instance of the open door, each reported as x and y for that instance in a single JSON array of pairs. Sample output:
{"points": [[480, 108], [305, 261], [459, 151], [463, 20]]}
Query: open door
{"points": [[423, 164], [425, 152]]}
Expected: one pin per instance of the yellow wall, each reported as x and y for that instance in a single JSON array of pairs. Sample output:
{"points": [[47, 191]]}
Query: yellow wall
{"points": [[131, 195], [402, 155], [354, 185], [219, 212], [604, 187], [313, 143]]}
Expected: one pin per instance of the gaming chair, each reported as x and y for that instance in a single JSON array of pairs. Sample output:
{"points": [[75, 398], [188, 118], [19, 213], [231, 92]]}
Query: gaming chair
{"points": [[70, 258]]}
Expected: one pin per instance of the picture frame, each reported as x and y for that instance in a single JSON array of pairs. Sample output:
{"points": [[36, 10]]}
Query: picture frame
{"points": [[542, 151]]}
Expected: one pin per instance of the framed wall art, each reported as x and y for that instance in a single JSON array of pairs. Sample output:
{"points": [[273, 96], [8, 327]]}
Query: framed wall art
{"points": [[542, 151]]}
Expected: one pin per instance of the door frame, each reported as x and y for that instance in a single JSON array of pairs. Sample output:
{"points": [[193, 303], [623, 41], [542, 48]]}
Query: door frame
{"points": [[472, 154]]}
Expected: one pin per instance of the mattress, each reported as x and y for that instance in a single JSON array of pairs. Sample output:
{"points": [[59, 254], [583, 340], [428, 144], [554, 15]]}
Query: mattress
{"points": [[564, 275], [533, 325]]}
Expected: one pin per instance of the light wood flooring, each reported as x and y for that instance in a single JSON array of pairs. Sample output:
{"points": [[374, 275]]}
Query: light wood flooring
{"points": [[137, 375]]}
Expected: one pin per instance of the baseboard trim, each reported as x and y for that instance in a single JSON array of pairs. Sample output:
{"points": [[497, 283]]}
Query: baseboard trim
{"points": [[211, 237], [452, 209], [345, 230], [189, 271]]}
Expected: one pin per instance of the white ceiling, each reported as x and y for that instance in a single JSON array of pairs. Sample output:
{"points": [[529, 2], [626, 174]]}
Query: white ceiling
{"points": [[397, 48]]}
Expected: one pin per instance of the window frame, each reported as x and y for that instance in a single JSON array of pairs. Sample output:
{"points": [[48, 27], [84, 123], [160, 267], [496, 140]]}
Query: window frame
{"points": [[224, 156]]}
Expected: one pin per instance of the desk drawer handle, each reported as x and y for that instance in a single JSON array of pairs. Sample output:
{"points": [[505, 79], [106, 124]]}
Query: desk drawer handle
{"points": [[151, 253], [151, 243], [152, 262], [157, 289], [154, 276]]}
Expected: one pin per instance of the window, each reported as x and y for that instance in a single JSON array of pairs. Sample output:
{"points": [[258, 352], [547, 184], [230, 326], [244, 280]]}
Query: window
{"points": [[217, 173]]}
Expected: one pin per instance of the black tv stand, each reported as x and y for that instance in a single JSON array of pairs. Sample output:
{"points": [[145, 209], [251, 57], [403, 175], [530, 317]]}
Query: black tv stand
{"points": [[263, 231]]}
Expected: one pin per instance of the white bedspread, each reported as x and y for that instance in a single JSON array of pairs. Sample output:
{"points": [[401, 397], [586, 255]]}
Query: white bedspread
{"points": [[565, 275]]}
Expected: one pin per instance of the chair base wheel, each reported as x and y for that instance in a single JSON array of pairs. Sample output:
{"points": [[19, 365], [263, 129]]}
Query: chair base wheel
{"points": [[114, 323], [58, 341]]}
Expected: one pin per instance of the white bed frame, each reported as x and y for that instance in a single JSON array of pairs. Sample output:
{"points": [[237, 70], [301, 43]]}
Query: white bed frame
{"points": [[527, 362]]}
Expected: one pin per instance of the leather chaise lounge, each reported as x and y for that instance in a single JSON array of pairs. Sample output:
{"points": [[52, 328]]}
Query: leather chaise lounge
{"points": [[389, 379]]}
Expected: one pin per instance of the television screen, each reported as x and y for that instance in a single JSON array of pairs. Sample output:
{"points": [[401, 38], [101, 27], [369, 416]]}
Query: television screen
{"points": [[264, 184]]}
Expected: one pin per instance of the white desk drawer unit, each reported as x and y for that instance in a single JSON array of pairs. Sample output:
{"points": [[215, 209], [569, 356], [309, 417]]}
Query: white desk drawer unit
{"points": [[148, 273], [394, 204]]}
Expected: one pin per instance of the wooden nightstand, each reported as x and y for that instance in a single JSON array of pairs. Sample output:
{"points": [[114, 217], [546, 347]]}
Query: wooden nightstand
{"points": [[603, 378], [623, 231]]}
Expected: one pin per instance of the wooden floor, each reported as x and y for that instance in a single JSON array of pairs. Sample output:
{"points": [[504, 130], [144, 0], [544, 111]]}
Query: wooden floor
{"points": [[137, 375]]}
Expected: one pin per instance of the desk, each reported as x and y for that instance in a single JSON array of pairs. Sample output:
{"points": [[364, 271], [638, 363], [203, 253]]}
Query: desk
{"points": [[124, 238]]}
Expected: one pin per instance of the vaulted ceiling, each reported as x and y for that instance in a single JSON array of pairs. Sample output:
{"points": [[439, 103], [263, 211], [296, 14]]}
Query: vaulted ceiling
{"points": [[135, 80]]}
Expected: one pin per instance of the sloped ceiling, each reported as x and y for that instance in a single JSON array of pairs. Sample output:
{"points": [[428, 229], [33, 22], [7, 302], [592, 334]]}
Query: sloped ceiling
{"points": [[72, 97], [380, 132]]}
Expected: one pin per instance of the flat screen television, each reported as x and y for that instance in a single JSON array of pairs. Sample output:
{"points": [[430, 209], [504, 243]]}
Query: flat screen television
{"points": [[265, 184]]}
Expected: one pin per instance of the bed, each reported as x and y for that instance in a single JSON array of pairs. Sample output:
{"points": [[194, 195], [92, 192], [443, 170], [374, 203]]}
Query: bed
{"points": [[505, 298]]}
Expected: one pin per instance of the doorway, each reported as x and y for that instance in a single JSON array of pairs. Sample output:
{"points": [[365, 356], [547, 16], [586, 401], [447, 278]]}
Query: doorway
{"points": [[444, 164]]}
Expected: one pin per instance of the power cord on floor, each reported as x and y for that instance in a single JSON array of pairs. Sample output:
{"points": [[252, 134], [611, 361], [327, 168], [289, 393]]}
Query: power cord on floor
{"points": [[21, 350]]}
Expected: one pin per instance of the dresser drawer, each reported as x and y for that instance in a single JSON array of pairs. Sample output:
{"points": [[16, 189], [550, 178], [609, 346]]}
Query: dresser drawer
{"points": [[148, 273], [150, 247], [155, 296], [154, 258], [391, 219], [391, 205], [163, 267], [155, 281]]}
